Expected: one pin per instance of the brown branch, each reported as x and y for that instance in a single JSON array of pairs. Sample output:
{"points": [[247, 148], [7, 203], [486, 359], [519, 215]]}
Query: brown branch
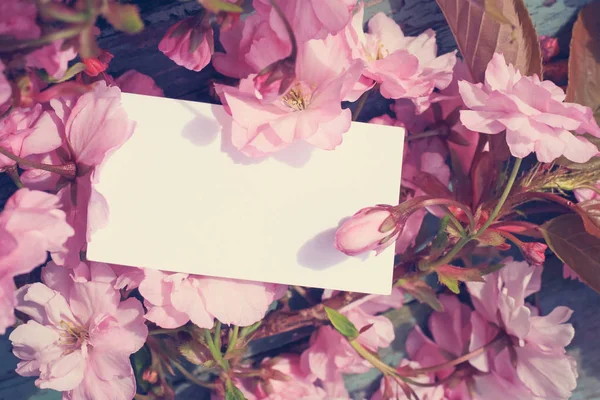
{"points": [[279, 322]]}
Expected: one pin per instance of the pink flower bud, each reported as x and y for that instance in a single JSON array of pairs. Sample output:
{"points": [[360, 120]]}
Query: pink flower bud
{"points": [[275, 80], [534, 253], [372, 228], [549, 47], [189, 43]]}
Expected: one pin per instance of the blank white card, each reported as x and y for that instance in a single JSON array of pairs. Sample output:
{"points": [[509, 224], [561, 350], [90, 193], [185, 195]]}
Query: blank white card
{"points": [[182, 198]]}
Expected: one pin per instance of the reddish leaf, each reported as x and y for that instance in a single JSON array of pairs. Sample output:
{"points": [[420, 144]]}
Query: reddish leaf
{"points": [[483, 177], [584, 60], [503, 26], [568, 239], [432, 185], [590, 214], [422, 292]]}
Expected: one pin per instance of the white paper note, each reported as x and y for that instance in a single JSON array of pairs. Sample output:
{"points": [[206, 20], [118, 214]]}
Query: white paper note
{"points": [[182, 198]]}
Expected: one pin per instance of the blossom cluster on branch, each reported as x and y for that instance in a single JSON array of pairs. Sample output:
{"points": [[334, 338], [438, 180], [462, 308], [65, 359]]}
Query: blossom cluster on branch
{"points": [[486, 139]]}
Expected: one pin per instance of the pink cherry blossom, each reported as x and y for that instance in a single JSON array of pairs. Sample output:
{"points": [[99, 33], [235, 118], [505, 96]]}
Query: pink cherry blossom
{"points": [[372, 304], [94, 125], [531, 111], [173, 299], [312, 19], [310, 111], [426, 155], [390, 389], [188, 44], [5, 89], [17, 19], [584, 194], [450, 331], [534, 253], [538, 342], [7, 301], [420, 156], [31, 224], [329, 353], [299, 384], [405, 67], [133, 81], [53, 58], [250, 46], [28, 131], [568, 273], [449, 102], [372, 228], [79, 341]]}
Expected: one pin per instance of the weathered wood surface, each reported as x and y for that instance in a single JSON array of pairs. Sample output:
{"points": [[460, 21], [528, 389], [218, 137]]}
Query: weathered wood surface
{"points": [[140, 52]]}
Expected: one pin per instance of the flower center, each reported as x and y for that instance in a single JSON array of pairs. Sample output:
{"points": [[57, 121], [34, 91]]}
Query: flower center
{"points": [[72, 336], [375, 51], [298, 98]]}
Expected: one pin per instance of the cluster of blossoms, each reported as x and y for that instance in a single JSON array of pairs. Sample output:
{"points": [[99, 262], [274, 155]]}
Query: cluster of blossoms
{"points": [[299, 63]]}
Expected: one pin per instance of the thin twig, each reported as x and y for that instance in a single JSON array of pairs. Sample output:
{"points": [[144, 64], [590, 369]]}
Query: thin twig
{"points": [[191, 377]]}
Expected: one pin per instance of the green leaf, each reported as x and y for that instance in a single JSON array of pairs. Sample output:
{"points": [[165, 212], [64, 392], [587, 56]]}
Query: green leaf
{"points": [[232, 392], [451, 283], [341, 323], [217, 6], [568, 239], [70, 73], [450, 276], [249, 330], [194, 352], [124, 17]]}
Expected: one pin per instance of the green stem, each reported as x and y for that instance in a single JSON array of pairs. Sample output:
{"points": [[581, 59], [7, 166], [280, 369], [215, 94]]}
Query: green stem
{"points": [[362, 100], [44, 40], [455, 222], [372, 359], [161, 331], [426, 134], [215, 351], [288, 28], [452, 363], [68, 170], [503, 197], [233, 339], [218, 336], [191, 377]]}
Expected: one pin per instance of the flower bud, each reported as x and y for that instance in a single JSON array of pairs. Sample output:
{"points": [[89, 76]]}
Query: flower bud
{"points": [[150, 376], [549, 47], [534, 253], [371, 228], [189, 43], [97, 65], [275, 80]]}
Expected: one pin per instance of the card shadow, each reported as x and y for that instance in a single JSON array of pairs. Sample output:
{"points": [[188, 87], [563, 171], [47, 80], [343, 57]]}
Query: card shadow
{"points": [[203, 131], [319, 252]]}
